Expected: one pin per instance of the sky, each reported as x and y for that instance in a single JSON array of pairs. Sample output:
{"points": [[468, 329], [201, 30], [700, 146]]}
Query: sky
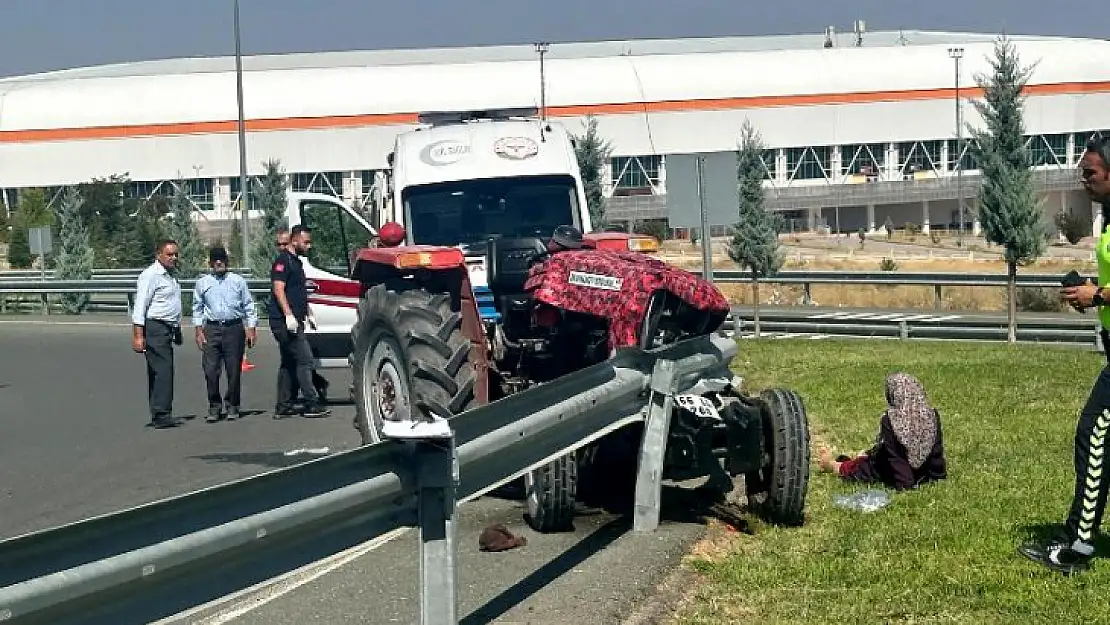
{"points": [[43, 35]]}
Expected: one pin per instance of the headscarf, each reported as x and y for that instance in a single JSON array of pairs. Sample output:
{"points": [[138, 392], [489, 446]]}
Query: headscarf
{"points": [[911, 417]]}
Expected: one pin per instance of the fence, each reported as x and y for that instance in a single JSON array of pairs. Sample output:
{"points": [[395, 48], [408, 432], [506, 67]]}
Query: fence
{"points": [[123, 289], [157, 560]]}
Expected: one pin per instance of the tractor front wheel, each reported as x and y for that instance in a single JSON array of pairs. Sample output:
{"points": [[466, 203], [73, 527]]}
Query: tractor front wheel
{"points": [[778, 489]]}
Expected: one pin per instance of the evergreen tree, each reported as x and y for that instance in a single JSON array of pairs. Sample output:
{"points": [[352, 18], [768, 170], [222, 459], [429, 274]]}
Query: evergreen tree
{"points": [[270, 200], [1008, 207], [235, 245], [75, 254], [139, 233], [181, 227], [592, 153], [31, 213], [755, 236], [105, 215], [5, 235]]}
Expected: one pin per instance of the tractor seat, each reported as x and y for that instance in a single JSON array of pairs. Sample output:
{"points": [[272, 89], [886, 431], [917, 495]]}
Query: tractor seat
{"points": [[507, 264]]}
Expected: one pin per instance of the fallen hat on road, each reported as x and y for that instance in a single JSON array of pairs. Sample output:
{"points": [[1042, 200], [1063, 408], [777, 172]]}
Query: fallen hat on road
{"points": [[499, 538]]}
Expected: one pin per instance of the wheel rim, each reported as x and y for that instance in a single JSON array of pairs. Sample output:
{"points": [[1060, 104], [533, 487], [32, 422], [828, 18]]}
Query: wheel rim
{"points": [[385, 389]]}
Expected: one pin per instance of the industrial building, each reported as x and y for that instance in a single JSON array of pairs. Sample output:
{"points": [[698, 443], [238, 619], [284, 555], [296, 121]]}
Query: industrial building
{"points": [[860, 127]]}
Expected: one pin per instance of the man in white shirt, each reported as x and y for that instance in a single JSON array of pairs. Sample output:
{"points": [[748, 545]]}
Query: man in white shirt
{"points": [[156, 328]]}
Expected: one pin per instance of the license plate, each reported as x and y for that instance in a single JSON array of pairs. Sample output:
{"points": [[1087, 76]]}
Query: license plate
{"points": [[698, 405]]}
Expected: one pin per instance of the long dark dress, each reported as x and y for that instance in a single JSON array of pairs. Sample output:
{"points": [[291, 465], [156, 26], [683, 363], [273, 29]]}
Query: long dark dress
{"points": [[886, 462]]}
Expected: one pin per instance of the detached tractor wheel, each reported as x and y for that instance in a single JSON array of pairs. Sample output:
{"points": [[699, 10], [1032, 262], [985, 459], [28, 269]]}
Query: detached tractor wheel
{"points": [[777, 491], [549, 493], [408, 348]]}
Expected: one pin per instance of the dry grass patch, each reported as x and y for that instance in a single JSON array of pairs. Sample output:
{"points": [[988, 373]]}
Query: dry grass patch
{"points": [[965, 299]]}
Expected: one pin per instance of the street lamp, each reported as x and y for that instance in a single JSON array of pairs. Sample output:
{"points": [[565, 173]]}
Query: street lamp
{"points": [[956, 54], [541, 48], [244, 197]]}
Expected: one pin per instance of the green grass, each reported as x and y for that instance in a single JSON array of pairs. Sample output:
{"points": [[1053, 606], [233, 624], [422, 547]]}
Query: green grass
{"points": [[942, 554]]}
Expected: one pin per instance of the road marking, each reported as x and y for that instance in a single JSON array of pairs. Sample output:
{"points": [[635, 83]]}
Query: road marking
{"points": [[267, 591]]}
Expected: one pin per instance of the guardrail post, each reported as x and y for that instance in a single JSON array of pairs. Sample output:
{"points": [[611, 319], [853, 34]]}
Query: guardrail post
{"points": [[653, 448], [903, 330], [937, 296], [437, 475], [807, 294]]}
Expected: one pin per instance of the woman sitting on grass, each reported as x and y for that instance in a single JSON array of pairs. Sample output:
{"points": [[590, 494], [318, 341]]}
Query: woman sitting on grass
{"points": [[909, 450]]}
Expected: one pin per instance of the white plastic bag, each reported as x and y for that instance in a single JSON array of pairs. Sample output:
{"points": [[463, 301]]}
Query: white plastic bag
{"points": [[863, 501]]}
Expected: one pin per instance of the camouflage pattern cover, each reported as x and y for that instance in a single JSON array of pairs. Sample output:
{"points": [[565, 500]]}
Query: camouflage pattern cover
{"points": [[617, 286]]}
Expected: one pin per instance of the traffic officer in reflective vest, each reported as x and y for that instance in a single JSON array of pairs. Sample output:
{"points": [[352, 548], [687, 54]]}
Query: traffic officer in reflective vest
{"points": [[1072, 549]]}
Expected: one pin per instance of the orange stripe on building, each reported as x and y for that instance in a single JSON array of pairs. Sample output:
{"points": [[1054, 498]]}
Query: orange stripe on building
{"points": [[665, 106]]}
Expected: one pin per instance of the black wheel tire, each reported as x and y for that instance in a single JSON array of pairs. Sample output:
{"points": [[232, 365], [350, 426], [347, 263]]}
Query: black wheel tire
{"points": [[419, 335], [784, 480], [549, 493]]}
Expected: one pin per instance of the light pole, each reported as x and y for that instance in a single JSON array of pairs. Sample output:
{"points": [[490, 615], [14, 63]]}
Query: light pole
{"points": [[541, 48], [957, 53], [244, 197]]}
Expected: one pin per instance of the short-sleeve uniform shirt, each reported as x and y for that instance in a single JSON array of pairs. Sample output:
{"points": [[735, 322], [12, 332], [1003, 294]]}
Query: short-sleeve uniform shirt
{"points": [[289, 269]]}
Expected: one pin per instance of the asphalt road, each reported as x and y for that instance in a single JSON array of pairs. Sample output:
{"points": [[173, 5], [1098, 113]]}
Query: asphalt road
{"points": [[74, 444], [73, 435]]}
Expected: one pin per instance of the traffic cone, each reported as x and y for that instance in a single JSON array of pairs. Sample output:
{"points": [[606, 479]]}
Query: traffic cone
{"points": [[247, 365]]}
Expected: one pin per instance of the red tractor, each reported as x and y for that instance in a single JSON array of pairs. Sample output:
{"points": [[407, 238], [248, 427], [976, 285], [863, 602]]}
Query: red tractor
{"points": [[562, 304]]}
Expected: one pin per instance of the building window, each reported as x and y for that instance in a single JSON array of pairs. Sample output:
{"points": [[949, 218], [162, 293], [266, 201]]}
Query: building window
{"points": [[769, 157], [812, 163], [863, 159], [1047, 149], [968, 162], [200, 192], [1081, 139], [919, 156], [328, 183], [635, 175]]}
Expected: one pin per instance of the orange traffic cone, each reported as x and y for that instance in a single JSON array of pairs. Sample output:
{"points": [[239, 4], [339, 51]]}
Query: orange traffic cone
{"points": [[247, 365]]}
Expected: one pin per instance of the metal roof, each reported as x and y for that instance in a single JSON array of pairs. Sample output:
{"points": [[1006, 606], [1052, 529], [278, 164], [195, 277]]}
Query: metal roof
{"points": [[525, 52]]}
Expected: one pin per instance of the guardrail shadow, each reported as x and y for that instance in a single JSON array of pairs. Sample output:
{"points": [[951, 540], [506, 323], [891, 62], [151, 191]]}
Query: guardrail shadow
{"points": [[681, 504]]}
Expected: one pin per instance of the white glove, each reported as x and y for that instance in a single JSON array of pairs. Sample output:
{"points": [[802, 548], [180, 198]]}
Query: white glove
{"points": [[291, 323]]}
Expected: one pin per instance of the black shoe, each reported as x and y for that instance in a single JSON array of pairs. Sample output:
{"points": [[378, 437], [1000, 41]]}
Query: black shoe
{"points": [[315, 410], [161, 423], [282, 411], [1057, 554], [232, 413], [214, 415]]}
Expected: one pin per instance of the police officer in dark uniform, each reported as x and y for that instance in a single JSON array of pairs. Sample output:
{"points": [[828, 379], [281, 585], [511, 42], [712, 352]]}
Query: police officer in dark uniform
{"points": [[289, 313]]}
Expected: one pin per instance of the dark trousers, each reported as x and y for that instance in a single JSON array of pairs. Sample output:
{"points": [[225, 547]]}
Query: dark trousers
{"points": [[296, 364], [223, 349], [1092, 479], [159, 337]]}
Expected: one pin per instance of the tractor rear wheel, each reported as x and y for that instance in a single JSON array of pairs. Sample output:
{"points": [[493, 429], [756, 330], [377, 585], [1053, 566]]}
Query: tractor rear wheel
{"points": [[778, 489], [409, 348]]}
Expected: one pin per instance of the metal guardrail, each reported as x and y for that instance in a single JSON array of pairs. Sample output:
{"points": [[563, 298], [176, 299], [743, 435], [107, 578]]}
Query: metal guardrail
{"points": [[1078, 330], [126, 287], [160, 559]]}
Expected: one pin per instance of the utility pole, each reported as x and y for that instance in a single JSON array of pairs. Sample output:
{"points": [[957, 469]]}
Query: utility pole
{"points": [[706, 242], [957, 53], [244, 196], [541, 48]]}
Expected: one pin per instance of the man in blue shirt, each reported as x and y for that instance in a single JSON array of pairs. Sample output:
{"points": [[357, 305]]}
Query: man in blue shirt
{"points": [[156, 328], [225, 321], [289, 312]]}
